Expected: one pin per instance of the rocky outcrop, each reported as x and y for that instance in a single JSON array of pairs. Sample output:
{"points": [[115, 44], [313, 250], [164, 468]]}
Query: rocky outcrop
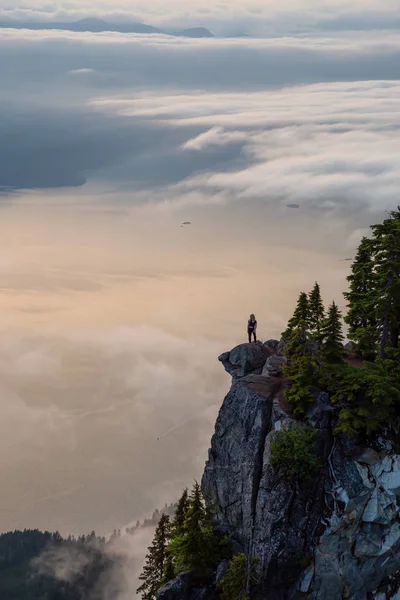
{"points": [[245, 359], [274, 366], [359, 549], [333, 538], [185, 587]]}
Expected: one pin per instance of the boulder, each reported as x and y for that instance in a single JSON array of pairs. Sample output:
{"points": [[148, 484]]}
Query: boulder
{"points": [[272, 346], [281, 347], [274, 366], [186, 587], [177, 589], [245, 359]]}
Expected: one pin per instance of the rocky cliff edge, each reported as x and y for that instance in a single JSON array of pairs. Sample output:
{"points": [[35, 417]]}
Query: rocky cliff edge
{"points": [[335, 537]]}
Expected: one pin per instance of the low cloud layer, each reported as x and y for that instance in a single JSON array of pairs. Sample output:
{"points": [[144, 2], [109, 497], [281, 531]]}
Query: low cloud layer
{"points": [[114, 314], [87, 411], [131, 109]]}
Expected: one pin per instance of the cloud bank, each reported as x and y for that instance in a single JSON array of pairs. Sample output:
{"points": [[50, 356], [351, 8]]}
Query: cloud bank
{"points": [[150, 112], [107, 143], [57, 410]]}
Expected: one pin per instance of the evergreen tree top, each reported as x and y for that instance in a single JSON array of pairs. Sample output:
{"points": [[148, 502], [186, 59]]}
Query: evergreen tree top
{"points": [[316, 310]]}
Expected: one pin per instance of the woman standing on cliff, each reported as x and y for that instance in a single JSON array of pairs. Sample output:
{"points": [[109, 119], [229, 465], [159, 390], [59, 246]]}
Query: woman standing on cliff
{"points": [[252, 328]]}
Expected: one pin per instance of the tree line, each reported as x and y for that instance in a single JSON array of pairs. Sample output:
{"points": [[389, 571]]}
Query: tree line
{"points": [[22, 576], [366, 397]]}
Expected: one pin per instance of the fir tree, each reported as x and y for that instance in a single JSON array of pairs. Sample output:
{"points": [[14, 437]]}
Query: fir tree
{"points": [[332, 333], [387, 267], [316, 311], [178, 522], [300, 370], [156, 561], [169, 571], [195, 521], [300, 319], [200, 546], [361, 298]]}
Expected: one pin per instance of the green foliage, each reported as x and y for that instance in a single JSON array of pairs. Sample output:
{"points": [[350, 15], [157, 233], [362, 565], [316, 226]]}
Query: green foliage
{"points": [[368, 396], [169, 571], [154, 569], [233, 585], [386, 240], [316, 312], [304, 334], [374, 295], [299, 393], [190, 542], [294, 450], [332, 335], [300, 319], [301, 371], [182, 507], [200, 546], [361, 315]]}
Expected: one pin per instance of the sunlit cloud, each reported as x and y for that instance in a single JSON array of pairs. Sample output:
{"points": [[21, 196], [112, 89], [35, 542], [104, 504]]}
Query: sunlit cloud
{"points": [[325, 145]]}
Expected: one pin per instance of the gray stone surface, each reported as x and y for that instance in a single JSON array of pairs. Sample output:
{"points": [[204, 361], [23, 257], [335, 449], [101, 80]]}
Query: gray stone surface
{"points": [[274, 366], [236, 455], [272, 345], [177, 589], [185, 587], [344, 523], [245, 359], [222, 570]]}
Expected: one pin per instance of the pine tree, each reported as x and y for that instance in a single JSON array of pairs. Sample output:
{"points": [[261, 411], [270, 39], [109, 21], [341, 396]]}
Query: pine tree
{"points": [[361, 298], [200, 546], [195, 521], [316, 311], [301, 315], [300, 369], [156, 561], [169, 571], [387, 267], [332, 333], [301, 372], [178, 522]]}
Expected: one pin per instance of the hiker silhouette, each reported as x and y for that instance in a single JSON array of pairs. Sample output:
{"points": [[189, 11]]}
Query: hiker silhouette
{"points": [[252, 328]]}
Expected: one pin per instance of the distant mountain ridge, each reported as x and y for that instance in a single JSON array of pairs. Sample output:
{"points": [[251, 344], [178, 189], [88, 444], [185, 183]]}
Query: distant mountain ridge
{"points": [[95, 25]]}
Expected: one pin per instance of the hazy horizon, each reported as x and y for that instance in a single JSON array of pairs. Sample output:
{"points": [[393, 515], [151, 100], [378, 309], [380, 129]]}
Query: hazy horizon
{"points": [[112, 314]]}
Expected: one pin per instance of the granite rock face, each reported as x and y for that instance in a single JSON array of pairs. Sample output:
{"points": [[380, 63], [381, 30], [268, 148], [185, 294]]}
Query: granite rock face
{"points": [[336, 537], [245, 359], [274, 366]]}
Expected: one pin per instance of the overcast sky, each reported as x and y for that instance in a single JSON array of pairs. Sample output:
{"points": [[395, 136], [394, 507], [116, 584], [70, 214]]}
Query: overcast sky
{"points": [[112, 315]]}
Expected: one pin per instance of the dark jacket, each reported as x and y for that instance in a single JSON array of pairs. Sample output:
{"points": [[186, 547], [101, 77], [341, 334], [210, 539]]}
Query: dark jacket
{"points": [[251, 325]]}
